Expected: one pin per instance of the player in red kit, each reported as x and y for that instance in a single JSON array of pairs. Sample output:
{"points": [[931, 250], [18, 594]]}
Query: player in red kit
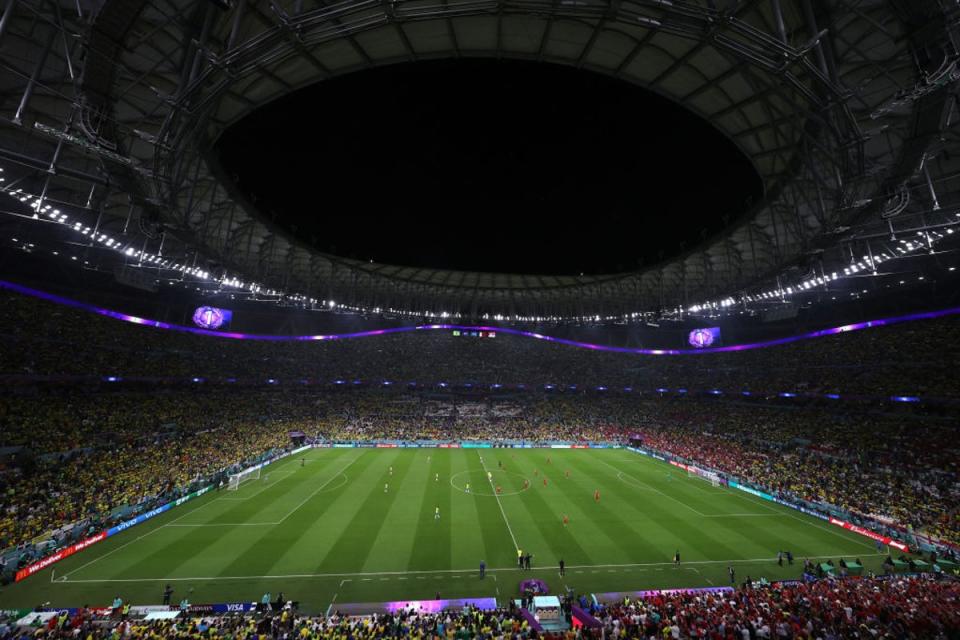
{"points": [[596, 495], [544, 481]]}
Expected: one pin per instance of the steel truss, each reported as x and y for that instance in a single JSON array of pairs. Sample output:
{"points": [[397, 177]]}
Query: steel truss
{"points": [[845, 107]]}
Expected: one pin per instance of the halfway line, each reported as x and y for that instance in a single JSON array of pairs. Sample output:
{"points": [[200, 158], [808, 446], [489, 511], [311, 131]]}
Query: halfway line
{"points": [[499, 504]]}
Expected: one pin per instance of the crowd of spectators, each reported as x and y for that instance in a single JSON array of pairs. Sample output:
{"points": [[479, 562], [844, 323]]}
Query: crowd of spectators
{"points": [[900, 470], [39, 338], [79, 457], [80, 454], [75, 459], [908, 607], [902, 607], [286, 624]]}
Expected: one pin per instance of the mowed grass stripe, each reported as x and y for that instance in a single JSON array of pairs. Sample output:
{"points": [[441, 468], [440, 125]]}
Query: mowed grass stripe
{"points": [[631, 524], [638, 537], [703, 500], [263, 550], [798, 524], [788, 529], [322, 525], [116, 545], [637, 510], [742, 502], [539, 515], [358, 533], [178, 550], [257, 503], [467, 541], [433, 548], [497, 543], [601, 521], [753, 537], [396, 537], [675, 527]]}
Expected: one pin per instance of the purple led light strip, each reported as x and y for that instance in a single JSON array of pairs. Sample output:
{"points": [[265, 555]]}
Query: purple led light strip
{"points": [[928, 315]]}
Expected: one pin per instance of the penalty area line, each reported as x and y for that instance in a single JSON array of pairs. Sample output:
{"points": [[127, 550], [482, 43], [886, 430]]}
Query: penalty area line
{"points": [[320, 488], [137, 539], [652, 488]]}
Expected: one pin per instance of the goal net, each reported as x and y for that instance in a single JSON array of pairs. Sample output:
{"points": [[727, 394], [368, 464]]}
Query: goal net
{"points": [[709, 476], [236, 479]]}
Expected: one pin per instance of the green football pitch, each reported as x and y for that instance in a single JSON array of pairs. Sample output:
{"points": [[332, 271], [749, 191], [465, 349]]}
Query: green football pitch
{"points": [[360, 525]]}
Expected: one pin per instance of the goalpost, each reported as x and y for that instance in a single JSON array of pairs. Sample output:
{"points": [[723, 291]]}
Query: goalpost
{"points": [[237, 478], [704, 475]]}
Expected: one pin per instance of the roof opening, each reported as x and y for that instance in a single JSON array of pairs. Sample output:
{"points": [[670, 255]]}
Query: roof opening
{"points": [[489, 165]]}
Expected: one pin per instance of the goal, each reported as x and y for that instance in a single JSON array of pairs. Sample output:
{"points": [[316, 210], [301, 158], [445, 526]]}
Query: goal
{"points": [[237, 478], [712, 477]]}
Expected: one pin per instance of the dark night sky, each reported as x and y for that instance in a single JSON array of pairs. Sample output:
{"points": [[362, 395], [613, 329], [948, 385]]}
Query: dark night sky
{"points": [[512, 167]]}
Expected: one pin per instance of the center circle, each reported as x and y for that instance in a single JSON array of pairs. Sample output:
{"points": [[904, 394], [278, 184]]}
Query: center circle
{"points": [[483, 488]]}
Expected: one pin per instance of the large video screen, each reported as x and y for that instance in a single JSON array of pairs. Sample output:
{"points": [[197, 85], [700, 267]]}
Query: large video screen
{"points": [[212, 317], [704, 337]]}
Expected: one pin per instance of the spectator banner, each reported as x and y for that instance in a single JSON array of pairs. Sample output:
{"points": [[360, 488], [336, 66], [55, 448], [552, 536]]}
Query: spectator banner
{"points": [[890, 542], [225, 607], [754, 492], [66, 552], [126, 524], [141, 610], [801, 509]]}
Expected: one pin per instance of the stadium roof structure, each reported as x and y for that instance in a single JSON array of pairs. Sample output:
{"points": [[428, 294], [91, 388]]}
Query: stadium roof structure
{"points": [[846, 108]]}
